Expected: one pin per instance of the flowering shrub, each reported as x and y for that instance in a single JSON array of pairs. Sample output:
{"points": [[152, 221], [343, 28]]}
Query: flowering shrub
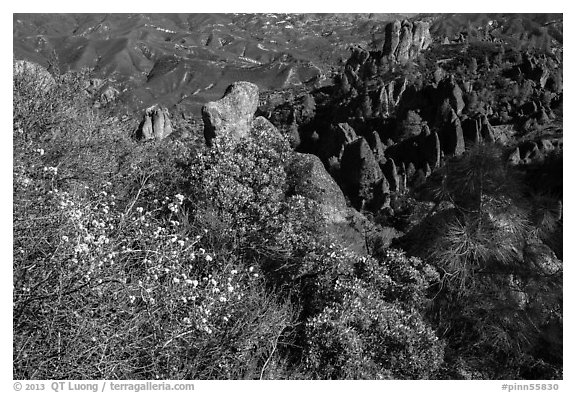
{"points": [[132, 280], [244, 181], [172, 261], [364, 319]]}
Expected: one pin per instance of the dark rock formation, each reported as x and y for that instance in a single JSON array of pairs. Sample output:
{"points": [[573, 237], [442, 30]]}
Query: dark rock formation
{"points": [[471, 130], [486, 130], [514, 158], [391, 173], [392, 38], [155, 124], [359, 172], [231, 116], [377, 146], [450, 89], [451, 134], [332, 140]]}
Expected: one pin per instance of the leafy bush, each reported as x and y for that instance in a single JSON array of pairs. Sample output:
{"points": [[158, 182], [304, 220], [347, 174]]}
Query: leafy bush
{"points": [[364, 319]]}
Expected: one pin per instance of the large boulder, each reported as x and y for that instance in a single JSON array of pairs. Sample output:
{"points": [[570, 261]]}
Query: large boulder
{"points": [[231, 116], [308, 177], [155, 124]]}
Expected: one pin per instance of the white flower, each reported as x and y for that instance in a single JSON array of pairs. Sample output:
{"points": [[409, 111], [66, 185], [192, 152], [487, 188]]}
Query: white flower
{"points": [[187, 321], [222, 299], [195, 283], [140, 209], [65, 238], [234, 271], [180, 198], [209, 258], [40, 151], [176, 280], [251, 269]]}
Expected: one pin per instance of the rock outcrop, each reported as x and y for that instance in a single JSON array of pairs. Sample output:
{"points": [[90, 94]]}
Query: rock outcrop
{"points": [[405, 40], [308, 177], [451, 134], [232, 115], [332, 141], [155, 124], [360, 172]]}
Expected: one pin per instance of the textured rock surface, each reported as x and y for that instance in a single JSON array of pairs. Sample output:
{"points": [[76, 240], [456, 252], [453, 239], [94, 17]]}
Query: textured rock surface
{"points": [[405, 40], [391, 172], [486, 130], [333, 140], [451, 134], [231, 116], [359, 172], [308, 177], [155, 124]]}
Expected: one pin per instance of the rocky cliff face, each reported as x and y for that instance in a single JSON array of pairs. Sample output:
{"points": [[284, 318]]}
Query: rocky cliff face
{"points": [[405, 40]]}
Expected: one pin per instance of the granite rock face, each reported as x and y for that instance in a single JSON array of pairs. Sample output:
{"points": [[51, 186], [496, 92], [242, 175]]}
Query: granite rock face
{"points": [[405, 40], [308, 177], [231, 116]]}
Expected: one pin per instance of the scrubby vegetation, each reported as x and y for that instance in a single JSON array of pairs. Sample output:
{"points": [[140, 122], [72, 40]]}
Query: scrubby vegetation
{"points": [[176, 261], [173, 260]]}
